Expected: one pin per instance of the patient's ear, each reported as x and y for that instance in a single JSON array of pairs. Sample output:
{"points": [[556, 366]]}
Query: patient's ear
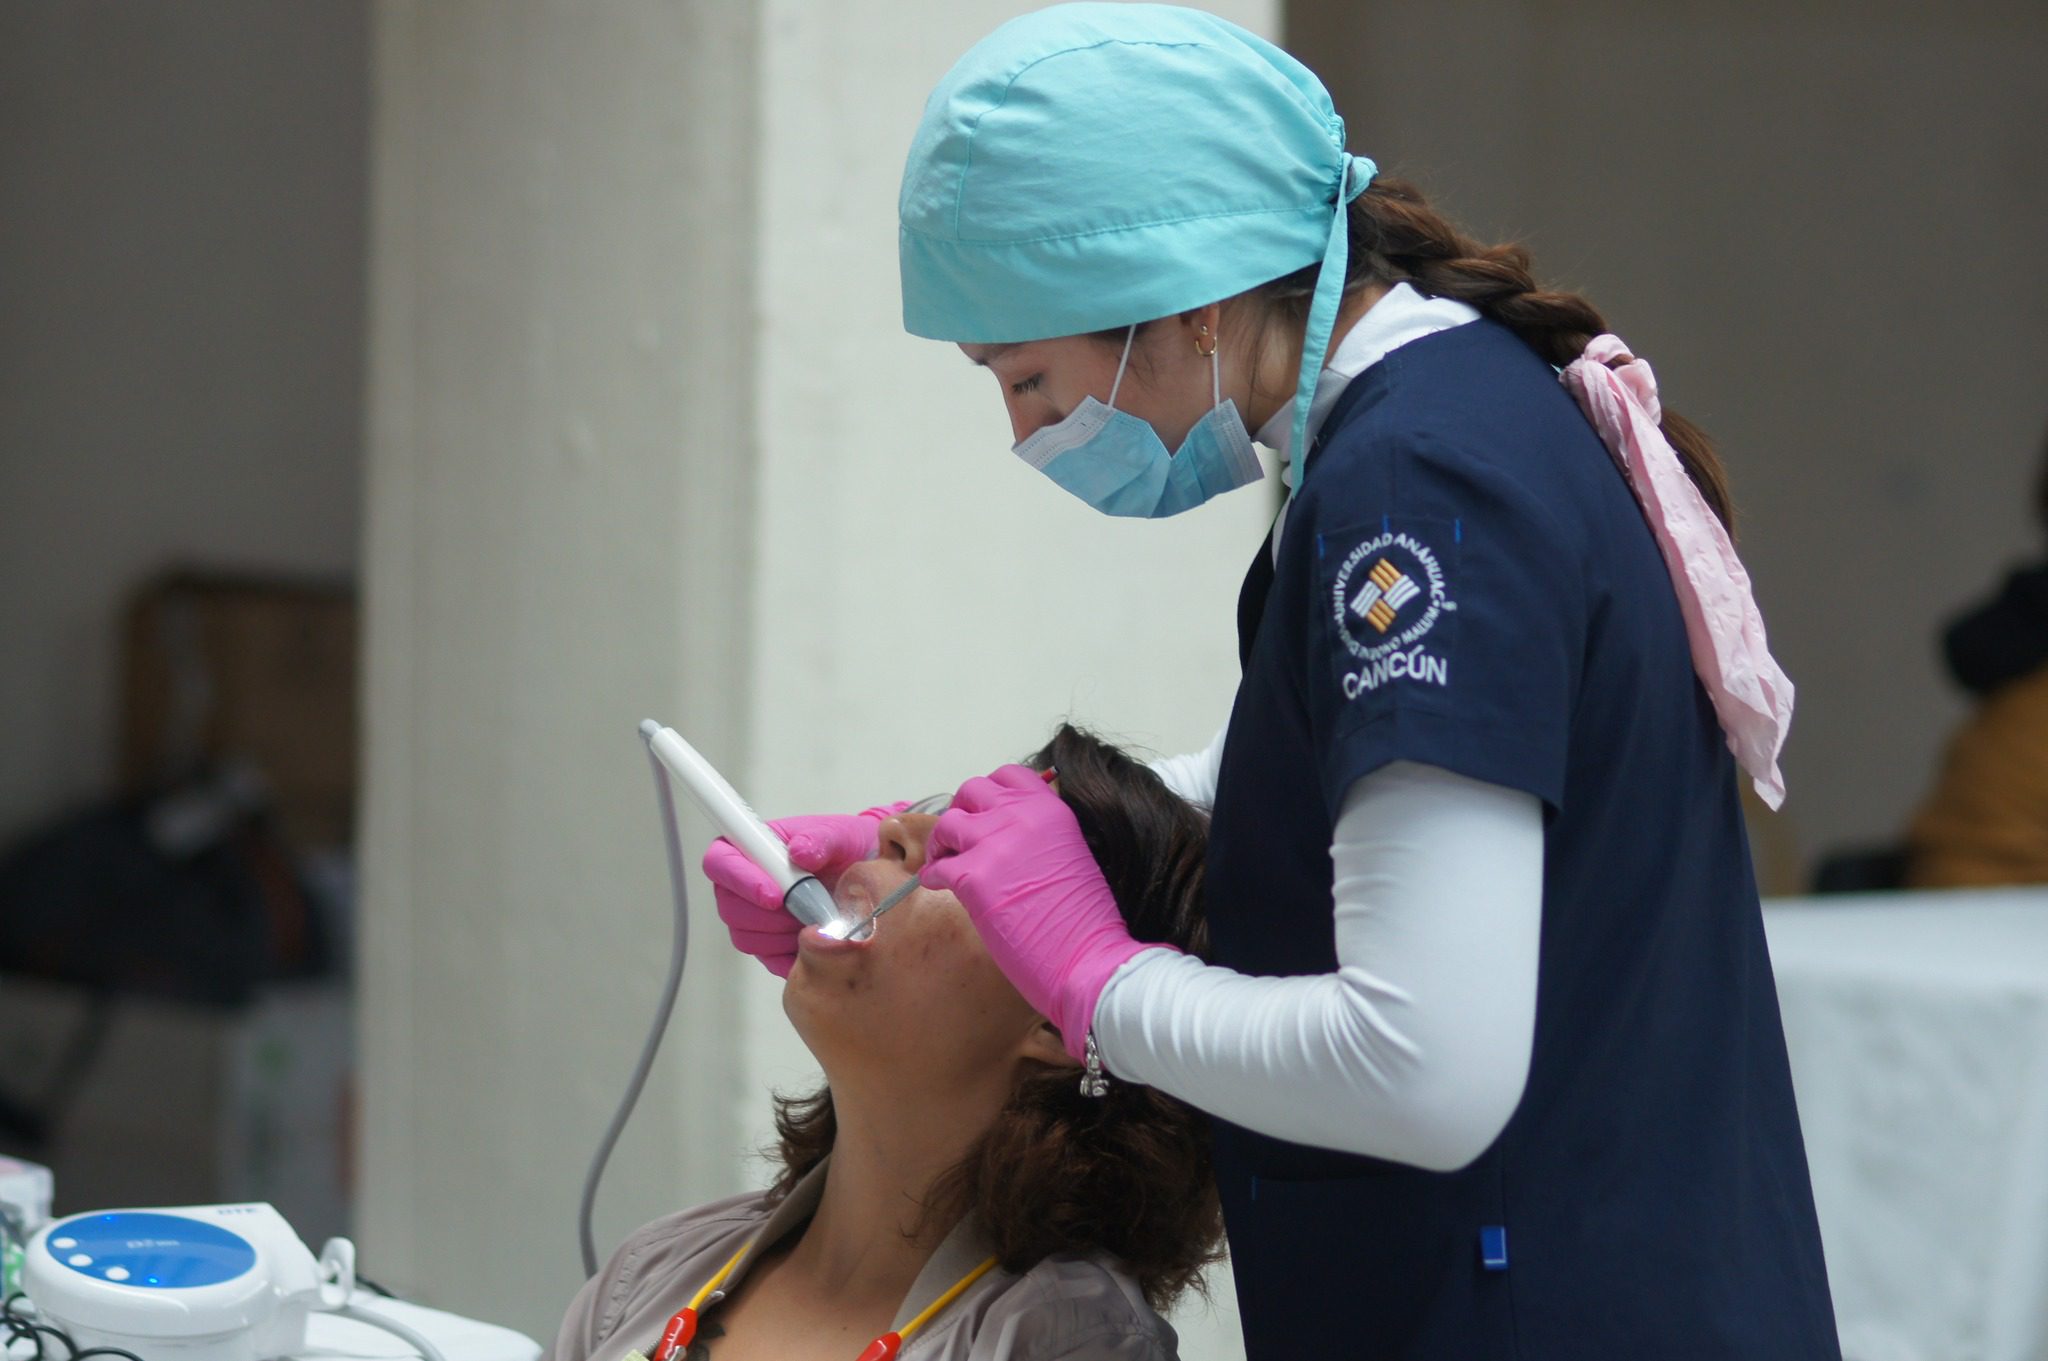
{"points": [[1042, 1044]]}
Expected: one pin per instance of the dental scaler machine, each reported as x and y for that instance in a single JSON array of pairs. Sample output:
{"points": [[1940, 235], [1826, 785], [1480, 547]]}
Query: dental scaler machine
{"points": [[218, 1283]]}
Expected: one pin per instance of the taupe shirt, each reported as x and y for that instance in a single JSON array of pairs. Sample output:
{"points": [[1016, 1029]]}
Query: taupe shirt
{"points": [[1066, 1306]]}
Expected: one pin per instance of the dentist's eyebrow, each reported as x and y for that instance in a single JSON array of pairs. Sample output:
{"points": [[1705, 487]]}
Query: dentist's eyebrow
{"points": [[993, 352]]}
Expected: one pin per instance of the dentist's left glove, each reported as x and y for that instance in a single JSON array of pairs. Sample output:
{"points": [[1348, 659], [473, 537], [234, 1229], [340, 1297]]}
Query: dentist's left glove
{"points": [[750, 903], [1012, 852]]}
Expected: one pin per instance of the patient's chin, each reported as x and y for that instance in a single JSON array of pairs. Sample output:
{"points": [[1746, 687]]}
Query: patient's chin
{"points": [[831, 994], [828, 973]]}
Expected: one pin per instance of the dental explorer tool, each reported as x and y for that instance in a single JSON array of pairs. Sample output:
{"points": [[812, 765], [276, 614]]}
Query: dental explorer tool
{"points": [[803, 895], [861, 928], [865, 927]]}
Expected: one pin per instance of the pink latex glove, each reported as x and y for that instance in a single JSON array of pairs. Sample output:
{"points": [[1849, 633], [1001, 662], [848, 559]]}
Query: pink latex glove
{"points": [[750, 904], [1012, 852]]}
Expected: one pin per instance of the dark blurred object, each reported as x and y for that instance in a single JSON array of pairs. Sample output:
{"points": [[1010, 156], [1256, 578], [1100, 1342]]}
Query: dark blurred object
{"points": [[2006, 637], [237, 755], [228, 670], [1986, 820], [2003, 639], [190, 895], [1864, 869]]}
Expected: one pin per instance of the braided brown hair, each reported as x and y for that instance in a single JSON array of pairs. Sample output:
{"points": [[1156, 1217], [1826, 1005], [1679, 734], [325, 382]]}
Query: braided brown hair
{"points": [[1397, 237]]}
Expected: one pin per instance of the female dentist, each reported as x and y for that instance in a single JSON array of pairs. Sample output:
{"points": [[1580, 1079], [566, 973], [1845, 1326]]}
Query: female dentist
{"points": [[1491, 1042]]}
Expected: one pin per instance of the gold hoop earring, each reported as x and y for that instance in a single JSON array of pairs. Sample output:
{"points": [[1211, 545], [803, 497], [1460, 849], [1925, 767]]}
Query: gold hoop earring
{"points": [[1211, 351]]}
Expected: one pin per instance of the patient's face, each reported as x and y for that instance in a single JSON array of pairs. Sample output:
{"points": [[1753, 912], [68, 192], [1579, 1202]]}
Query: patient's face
{"points": [[920, 1001]]}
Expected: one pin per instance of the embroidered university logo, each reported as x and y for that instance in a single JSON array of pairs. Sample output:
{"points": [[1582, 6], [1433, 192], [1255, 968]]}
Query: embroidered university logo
{"points": [[1388, 594], [1385, 592]]}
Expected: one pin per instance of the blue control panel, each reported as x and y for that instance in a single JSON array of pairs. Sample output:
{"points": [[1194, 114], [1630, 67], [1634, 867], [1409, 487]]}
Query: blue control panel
{"points": [[150, 1251]]}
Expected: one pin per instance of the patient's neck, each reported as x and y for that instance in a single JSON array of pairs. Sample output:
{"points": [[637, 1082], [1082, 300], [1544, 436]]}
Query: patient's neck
{"points": [[860, 1245]]}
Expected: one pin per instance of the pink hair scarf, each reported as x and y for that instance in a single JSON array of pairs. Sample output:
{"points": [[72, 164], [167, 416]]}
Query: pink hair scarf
{"points": [[1751, 693]]}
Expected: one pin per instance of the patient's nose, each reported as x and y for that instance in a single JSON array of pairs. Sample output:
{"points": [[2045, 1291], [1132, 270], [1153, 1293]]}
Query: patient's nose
{"points": [[903, 838]]}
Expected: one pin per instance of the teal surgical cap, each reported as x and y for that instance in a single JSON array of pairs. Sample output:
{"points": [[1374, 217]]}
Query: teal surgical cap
{"points": [[1089, 166]]}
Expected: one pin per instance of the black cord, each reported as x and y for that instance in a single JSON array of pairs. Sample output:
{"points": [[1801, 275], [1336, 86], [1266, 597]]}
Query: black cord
{"points": [[36, 1331], [19, 1327], [375, 1289], [17, 1330]]}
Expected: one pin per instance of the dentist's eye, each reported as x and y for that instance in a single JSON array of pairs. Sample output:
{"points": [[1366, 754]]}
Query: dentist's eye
{"points": [[1028, 385]]}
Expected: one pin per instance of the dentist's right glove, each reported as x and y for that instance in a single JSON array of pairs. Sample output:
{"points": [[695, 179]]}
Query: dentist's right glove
{"points": [[1012, 852], [750, 903]]}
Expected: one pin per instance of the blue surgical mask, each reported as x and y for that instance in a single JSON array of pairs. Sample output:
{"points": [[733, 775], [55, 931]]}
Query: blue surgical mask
{"points": [[1118, 464]]}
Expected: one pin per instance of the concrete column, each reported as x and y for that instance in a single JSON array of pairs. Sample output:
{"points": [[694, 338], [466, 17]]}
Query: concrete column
{"points": [[561, 512], [648, 439]]}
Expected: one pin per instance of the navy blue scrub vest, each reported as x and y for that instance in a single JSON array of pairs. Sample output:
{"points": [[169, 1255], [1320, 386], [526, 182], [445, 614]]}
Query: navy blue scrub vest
{"points": [[1465, 580]]}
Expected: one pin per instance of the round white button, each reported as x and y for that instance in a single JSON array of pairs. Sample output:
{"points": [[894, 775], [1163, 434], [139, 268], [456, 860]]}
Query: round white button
{"points": [[63, 1242], [79, 1259], [117, 1273]]}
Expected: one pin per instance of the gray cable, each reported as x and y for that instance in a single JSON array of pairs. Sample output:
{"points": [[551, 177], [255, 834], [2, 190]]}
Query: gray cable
{"points": [[662, 1012], [403, 1332]]}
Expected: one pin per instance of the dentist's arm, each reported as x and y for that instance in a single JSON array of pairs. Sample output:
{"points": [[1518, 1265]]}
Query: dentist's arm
{"points": [[1415, 1049]]}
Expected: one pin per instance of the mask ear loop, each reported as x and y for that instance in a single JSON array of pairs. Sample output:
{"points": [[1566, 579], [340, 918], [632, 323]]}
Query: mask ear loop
{"points": [[1129, 336], [1356, 176], [1215, 378]]}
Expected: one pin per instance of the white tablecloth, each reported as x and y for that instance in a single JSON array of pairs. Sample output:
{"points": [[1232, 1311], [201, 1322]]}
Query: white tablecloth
{"points": [[1918, 1028]]}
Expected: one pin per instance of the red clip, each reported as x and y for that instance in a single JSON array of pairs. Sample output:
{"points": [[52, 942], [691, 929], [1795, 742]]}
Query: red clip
{"points": [[681, 1330], [883, 1348]]}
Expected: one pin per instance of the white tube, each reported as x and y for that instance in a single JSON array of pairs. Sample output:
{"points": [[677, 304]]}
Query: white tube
{"points": [[740, 824]]}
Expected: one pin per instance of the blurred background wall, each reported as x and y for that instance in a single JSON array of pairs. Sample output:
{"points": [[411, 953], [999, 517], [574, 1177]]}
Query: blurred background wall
{"points": [[182, 210]]}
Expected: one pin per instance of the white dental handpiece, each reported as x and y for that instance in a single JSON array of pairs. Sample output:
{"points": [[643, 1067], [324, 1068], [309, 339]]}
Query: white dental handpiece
{"points": [[806, 898]]}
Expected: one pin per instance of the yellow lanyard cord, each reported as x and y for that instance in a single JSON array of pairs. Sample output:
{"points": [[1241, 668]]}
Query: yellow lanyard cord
{"points": [[682, 1329], [712, 1285], [942, 1301]]}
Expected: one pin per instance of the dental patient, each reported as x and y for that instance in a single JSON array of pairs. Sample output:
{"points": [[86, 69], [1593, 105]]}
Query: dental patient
{"points": [[950, 1190]]}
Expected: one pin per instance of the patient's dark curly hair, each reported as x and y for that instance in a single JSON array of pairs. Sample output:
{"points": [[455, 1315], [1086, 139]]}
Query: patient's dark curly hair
{"points": [[1127, 1174]]}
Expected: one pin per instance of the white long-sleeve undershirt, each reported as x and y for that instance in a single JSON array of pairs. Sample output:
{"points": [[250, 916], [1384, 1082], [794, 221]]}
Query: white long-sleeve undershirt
{"points": [[1417, 1048]]}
